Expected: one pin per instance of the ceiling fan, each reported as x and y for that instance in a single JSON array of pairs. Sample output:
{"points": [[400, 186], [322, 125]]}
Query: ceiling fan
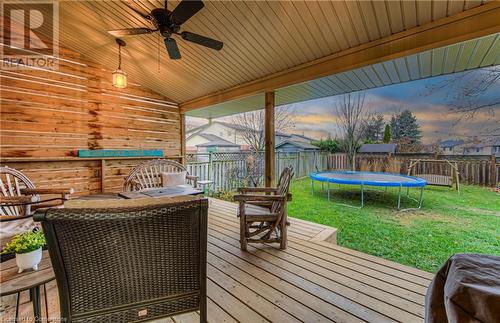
{"points": [[168, 23]]}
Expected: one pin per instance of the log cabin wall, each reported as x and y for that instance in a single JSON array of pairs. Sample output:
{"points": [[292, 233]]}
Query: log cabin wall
{"points": [[47, 115]]}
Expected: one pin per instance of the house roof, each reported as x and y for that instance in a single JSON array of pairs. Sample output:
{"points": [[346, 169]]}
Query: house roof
{"points": [[215, 141], [232, 126], [196, 130], [243, 128], [299, 144], [226, 124], [235, 126], [302, 136], [450, 143], [377, 148], [282, 134]]}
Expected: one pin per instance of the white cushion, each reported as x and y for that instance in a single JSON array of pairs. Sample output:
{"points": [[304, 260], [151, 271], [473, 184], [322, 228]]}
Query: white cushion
{"points": [[173, 179]]}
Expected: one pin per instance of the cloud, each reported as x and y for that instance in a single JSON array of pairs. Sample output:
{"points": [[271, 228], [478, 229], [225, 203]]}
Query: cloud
{"points": [[316, 118]]}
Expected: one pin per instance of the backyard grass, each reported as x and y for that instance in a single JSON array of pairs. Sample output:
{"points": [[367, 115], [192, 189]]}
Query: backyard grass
{"points": [[448, 223]]}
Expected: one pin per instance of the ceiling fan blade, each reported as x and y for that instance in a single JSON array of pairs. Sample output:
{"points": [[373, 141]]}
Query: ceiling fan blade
{"points": [[202, 40], [172, 49], [185, 10], [130, 31]]}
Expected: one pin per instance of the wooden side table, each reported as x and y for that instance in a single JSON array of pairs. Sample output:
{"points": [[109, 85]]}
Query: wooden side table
{"points": [[11, 282]]}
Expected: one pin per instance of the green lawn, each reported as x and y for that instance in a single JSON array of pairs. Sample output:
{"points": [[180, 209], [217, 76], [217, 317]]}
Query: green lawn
{"points": [[448, 223]]}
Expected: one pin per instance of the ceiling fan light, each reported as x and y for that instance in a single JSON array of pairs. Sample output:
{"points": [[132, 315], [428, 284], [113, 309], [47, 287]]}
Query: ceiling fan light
{"points": [[119, 79]]}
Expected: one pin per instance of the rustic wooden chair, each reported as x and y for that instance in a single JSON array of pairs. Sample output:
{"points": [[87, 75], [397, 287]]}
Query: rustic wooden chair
{"points": [[148, 175], [19, 199], [137, 260], [262, 212]]}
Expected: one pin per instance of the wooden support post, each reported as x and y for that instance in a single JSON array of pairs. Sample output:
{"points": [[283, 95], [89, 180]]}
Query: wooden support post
{"points": [[183, 139], [269, 136]]}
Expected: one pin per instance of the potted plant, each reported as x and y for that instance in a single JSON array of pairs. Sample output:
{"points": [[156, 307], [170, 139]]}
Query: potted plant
{"points": [[28, 249]]}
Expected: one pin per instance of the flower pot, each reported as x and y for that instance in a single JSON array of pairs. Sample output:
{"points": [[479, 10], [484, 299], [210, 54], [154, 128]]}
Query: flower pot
{"points": [[29, 260]]}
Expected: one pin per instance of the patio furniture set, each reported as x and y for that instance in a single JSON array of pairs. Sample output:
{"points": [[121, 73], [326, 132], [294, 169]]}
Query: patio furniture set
{"points": [[138, 255]]}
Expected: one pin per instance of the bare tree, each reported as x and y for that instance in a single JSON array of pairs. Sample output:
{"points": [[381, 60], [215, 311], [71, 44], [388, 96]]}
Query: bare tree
{"points": [[465, 92], [351, 115], [251, 125]]}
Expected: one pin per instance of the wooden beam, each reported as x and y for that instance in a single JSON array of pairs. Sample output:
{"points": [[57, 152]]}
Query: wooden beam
{"points": [[470, 24], [269, 136]]}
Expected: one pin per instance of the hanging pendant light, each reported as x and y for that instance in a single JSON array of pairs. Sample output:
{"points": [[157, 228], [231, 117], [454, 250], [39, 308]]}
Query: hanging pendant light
{"points": [[119, 76]]}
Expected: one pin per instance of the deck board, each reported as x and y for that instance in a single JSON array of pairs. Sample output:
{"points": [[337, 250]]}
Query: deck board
{"points": [[310, 281]]}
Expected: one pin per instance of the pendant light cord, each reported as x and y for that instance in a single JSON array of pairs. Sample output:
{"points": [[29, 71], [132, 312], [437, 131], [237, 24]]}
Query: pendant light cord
{"points": [[119, 56]]}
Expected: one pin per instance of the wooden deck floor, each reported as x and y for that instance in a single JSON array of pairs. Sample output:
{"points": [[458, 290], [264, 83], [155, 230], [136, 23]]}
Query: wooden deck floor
{"points": [[310, 281]]}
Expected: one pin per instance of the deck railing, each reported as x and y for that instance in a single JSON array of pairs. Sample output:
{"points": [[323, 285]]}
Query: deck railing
{"points": [[232, 170]]}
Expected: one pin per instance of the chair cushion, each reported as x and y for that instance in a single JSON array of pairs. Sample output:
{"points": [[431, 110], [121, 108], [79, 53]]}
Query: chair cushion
{"points": [[173, 179]]}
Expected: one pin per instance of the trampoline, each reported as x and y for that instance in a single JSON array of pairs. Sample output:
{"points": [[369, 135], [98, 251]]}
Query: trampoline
{"points": [[370, 179]]}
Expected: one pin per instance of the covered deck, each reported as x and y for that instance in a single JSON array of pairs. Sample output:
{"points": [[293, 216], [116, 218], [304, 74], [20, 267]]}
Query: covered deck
{"points": [[49, 116], [311, 281]]}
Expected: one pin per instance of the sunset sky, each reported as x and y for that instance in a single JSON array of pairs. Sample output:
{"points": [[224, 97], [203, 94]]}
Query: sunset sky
{"points": [[317, 118]]}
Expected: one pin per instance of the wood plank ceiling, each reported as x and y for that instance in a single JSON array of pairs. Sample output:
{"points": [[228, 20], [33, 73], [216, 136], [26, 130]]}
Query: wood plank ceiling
{"points": [[261, 38], [472, 54]]}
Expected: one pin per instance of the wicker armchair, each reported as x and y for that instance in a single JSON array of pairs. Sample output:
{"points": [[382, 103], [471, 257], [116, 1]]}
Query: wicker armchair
{"points": [[128, 263], [263, 216], [148, 175], [18, 199]]}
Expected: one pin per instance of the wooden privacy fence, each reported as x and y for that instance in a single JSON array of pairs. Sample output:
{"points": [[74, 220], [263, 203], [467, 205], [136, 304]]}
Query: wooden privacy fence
{"points": [[232, 170], [474, 170], [337, 161]]}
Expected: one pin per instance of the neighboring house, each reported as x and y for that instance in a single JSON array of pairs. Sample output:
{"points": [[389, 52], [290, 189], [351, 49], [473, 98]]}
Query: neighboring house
{"points": [[451, 147], [204, 142], [226, 131], [193, 140], [377, 149], [292, 146], [234, 133], [219, 146], [487, 147]]}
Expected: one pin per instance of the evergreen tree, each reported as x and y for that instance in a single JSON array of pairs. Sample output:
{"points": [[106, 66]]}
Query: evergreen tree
{"points": [[387, 134], [404, 125]]}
